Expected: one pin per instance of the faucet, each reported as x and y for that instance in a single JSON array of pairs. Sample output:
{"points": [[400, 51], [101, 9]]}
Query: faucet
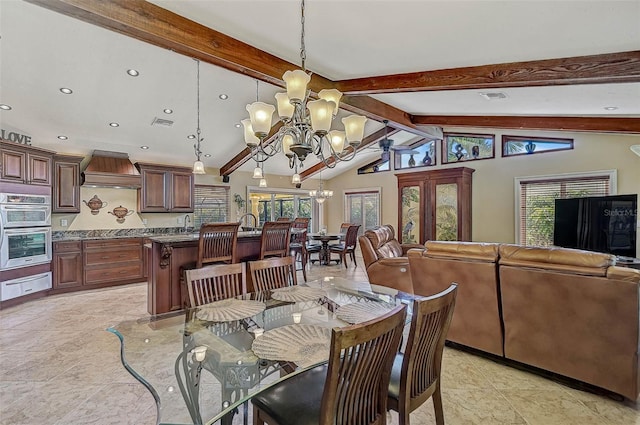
{"points": [[255, 219]]}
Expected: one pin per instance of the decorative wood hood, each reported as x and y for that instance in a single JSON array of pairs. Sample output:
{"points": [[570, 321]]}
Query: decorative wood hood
{"points": [[111, 169]]}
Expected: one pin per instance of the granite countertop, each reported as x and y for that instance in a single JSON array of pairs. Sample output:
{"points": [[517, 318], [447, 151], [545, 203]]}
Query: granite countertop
{"points": [[163, 234]]}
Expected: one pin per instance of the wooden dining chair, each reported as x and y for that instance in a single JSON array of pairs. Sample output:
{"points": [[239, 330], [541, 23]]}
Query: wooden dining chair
{"points": [[217, 243], [347, 246], [416, 373], [350, 390], [272, 273], [213, 283], [298, 246], [274, 241]]}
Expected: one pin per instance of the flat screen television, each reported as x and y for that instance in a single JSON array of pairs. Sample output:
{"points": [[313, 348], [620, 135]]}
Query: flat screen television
{"points": [[599, 223]]}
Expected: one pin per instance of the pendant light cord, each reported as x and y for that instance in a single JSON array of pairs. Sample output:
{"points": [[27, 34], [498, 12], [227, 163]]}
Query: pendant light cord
{"points": [[198, 139], [303, 50]]}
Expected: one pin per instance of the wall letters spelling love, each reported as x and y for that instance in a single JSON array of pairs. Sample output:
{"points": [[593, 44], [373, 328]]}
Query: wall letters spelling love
{"points": [[12, 136]]}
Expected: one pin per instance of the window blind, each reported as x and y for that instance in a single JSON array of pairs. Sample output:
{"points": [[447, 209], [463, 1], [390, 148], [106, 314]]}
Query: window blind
{"points": [[211, 204], [537, 203]]}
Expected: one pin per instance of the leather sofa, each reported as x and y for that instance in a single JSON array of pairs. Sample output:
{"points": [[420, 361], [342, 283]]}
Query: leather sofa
{"points": [[385, 259], [570, 312]]}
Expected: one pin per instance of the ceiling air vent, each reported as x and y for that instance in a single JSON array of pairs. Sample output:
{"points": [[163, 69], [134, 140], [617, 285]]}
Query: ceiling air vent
{"points": [[494, 95], [162, 122]]}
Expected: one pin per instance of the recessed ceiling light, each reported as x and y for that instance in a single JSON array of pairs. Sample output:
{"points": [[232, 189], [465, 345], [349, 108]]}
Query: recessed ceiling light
{"points": [[62, 137], [223, 97], [114, 124], [238, 125], [207, 155], [168, 111], [144, 147], [5, 107], [610, 108], [66, 90], [191, 136], [133, 72]]}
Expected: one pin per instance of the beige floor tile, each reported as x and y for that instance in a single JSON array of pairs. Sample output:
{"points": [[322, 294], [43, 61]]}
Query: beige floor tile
{"points": [[59, 365]]}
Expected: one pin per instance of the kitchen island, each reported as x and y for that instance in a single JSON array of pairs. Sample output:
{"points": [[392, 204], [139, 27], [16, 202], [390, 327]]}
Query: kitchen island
{"points": [[167, 254]]}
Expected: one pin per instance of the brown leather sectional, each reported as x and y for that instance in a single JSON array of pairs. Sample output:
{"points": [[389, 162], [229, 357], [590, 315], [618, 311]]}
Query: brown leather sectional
{"points": [[567, 311]]}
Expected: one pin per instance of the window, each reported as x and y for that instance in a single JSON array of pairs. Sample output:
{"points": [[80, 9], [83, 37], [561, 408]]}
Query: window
{"points": [[211, 205], [458, 147], [363, 208], [517, 145], [269, 205], [536, 196], [419, 154]]}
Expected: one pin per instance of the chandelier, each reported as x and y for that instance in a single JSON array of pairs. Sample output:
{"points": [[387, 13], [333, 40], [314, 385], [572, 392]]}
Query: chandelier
{"points": [[306, 124], [321, 195], [198, 166]]}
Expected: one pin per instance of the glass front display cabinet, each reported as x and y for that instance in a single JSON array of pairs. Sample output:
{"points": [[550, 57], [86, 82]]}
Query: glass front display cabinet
{"points": [[435, 205]]}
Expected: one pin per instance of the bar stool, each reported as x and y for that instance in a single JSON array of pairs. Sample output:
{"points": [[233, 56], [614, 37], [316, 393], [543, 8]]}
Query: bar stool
{"points": [[275, 239]]}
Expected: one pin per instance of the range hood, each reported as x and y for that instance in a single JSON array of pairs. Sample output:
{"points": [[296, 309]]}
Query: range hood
{"points": [[111, 169]]}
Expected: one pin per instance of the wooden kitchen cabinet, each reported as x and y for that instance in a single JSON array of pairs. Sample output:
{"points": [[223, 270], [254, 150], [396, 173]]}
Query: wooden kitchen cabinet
{"points": [[25, 164], [67, 264], [435, 205], [165, 189], [66, 184], [112, 261]]}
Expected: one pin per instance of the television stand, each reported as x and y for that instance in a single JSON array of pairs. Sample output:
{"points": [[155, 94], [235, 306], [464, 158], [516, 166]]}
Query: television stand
{"points": [[630, 262]]}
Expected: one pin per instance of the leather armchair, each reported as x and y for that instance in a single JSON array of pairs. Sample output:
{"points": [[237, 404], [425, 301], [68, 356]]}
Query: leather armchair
{"points": [[386, 259]]}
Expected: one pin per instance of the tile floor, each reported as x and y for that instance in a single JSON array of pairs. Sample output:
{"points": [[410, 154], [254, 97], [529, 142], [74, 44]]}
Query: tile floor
{"points": [[50, 374]]}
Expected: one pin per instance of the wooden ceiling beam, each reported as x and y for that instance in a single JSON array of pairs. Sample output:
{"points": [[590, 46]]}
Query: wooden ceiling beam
{"points": [[622, 67], [367, 141], [592, 124]]}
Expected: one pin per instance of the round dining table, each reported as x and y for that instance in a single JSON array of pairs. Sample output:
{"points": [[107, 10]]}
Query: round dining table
{"points": [[325, 238]]}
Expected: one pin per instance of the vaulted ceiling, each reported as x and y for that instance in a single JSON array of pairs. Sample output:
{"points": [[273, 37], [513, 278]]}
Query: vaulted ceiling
{"points": [[418, 64]]}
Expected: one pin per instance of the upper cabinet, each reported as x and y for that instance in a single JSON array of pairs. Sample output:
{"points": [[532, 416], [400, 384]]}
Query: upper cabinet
{"points": [[165, 189], [66, 184], [435, 205], [25, 164]]}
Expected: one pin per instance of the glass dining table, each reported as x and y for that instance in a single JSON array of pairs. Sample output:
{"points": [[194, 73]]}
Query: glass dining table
{"points": [[202, 365]]}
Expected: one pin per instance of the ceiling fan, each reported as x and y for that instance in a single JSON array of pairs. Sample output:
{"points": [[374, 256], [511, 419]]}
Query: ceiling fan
{"points": [[385, 145]]}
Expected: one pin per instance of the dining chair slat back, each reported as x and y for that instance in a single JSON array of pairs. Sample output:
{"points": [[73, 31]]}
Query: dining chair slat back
{"points": [[273, 273], [274, 241], [351, 390], [214, 283], [416, 372], [217, 243], [348, 245]]}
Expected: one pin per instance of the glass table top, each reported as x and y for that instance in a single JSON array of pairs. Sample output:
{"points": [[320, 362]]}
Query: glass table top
{"points": [[202, 364]]}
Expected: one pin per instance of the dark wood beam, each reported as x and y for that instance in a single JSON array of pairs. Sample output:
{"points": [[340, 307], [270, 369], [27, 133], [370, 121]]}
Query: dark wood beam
{"points": [[593, 124], [622, 67], [369, 140]]}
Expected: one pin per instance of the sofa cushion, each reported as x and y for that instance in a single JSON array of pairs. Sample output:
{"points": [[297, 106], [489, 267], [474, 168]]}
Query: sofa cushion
{"points": [[624, 274], [383, 242], [557, 259], [462, 250]]}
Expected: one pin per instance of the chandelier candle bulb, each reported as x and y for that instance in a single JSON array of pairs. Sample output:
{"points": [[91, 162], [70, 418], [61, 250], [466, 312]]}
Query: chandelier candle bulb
{"points": [[354, 128], [249, 137], [285, 107], [296, 84], [287, 142], [321, 112], [336, 137], [331, 95], [261, 115]]}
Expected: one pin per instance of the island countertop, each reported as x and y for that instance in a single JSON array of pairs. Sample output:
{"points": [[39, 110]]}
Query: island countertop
{"points": [[187, 237]]}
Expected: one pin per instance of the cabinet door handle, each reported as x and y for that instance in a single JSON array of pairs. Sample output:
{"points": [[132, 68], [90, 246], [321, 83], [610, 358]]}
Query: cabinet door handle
{"points": [[28, 290]]}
